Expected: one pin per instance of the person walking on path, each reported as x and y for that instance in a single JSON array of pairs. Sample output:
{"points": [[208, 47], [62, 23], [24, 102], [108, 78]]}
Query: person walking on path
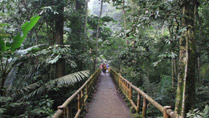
{"points": [[104, 67], [107, 67]]}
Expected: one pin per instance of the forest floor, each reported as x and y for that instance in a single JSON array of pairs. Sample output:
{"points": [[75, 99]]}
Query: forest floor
{"points": [[106, 101]]}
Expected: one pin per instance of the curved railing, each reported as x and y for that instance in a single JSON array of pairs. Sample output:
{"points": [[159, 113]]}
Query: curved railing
{"points": [[127, 89], [81, 95]]}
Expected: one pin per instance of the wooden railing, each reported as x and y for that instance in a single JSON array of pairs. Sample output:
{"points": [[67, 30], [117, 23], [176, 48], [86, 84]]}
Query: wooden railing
{"points": [[127, 89], [81, 95]]}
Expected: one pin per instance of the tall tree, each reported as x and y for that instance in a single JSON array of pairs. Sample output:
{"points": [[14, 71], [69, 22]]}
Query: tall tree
{"points": [[77, 35], [185, 97], [59, 25], [97, 34], [124, 15], [86, 19]]}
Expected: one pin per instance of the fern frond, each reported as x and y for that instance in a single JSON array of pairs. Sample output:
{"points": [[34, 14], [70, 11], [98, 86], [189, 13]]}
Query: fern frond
{"points": [[67, 80]]}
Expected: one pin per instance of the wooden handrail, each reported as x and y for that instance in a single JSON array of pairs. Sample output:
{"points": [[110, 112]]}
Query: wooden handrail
{"points": [[65, 110], [127, 88]]}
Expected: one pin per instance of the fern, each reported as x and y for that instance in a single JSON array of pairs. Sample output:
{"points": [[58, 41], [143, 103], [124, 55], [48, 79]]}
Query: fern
{"points": [[196, 113], [39, 87]]}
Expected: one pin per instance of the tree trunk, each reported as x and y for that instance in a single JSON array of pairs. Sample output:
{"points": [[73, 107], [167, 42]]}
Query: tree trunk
{"points": [[172, 66], [78, 32], [59, 24], [86, 19], [97, 36], [85, 26], [185, 96], [3, 76], [124, 15], [3, 79]]}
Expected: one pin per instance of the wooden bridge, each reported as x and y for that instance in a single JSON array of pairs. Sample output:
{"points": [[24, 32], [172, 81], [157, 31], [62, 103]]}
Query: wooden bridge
{"points": [[106, 101]]}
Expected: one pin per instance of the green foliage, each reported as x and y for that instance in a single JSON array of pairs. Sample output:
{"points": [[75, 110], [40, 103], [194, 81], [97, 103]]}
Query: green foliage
{"points": [[204, 69], [142, 51], [165, 84], [107, 19], [20, 37], [7, 103], [39, 108], [31, 95], [198, 114], [202, 95], [41, 87], [50, 55]]}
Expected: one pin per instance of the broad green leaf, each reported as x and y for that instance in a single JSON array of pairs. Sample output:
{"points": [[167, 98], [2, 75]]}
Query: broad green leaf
{"points": [[29, 25], [20, 37], [2, 45]]}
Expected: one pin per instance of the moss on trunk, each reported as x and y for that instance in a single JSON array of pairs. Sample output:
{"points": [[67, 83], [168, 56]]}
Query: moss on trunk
{"points": [[185, 97]]}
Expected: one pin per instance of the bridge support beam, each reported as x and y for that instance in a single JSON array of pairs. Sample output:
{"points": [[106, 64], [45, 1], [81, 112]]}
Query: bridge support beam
{"points": [[79, 101], [130, 91], [138, 103], [144, 109]]}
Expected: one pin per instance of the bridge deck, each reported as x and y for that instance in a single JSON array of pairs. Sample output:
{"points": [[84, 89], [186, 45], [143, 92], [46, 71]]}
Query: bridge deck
{"points": [[106, 102]]}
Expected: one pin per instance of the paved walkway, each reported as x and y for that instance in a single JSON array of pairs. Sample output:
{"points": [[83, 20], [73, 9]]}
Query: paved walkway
{"points": [[106, 101]]}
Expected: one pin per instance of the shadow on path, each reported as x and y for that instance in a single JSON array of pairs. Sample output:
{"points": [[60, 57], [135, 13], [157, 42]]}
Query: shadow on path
{"points": [[106, 101]]}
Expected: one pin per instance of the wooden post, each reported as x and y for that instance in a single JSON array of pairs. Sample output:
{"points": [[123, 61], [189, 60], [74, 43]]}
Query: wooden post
{"points": [[144, 109], [79, 101], [67, 112], [165, 115], [123, 85], [63, 111], [119, 82], [87, 91], [138, 103], [127, 88], [130, 92], [82, 98], [70, 111]]}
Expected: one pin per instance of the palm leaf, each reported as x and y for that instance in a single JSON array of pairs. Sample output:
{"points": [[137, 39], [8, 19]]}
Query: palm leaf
{"points": [[40, 88]]}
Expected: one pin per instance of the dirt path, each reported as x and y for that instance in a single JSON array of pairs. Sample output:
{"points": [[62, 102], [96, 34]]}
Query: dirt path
{"points": [[106, 102]]}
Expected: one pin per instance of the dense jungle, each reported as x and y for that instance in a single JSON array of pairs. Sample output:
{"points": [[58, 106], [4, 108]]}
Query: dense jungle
{"points": [[49, 49]]}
